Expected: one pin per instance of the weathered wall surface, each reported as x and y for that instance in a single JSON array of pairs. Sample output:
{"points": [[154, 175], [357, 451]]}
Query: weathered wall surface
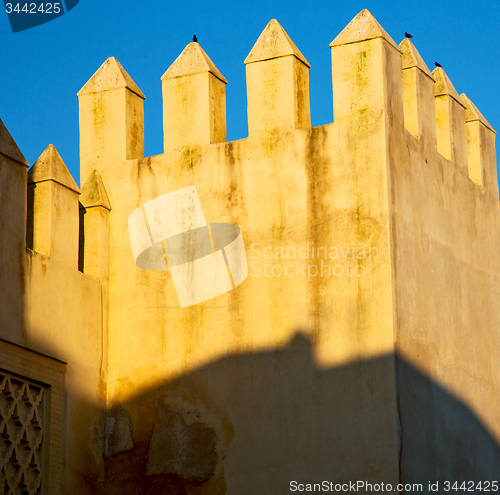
{"points": [[285, 187], [63, 320], [446, 234], [52, 312], [277, 204], [360, 345], [13, 172], [235, 393]]}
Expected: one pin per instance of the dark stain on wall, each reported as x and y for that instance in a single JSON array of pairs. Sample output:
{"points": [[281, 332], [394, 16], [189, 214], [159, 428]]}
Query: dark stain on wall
{"points": [[180, 447]]}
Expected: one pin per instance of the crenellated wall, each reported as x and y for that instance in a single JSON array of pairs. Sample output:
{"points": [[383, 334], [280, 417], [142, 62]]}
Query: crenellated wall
{"points": [[51, 333], [445, 218], [362, 343]]}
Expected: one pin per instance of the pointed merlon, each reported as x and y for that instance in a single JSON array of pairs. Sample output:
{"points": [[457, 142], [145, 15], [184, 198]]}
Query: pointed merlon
{"points": [[411, 58], [94, 192], [472, 113], [110, 75], [192, 60], [9, 148], [443, 85], [274, 42], [50, 166], [362, 28]]}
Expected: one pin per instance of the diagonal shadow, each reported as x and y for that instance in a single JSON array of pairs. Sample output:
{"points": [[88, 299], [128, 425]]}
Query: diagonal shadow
{"points": [[251, 423]]}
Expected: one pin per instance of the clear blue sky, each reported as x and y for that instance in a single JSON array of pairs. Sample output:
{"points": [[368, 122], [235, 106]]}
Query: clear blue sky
{"points": [[43, 68]]}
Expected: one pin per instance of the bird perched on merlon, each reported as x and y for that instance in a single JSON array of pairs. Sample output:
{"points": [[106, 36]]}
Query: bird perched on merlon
{"points": [[408, 35], [195, 39], [437, 64]]}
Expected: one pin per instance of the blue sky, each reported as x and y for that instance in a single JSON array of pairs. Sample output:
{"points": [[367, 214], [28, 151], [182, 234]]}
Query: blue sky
{"points": [[43, 68]]}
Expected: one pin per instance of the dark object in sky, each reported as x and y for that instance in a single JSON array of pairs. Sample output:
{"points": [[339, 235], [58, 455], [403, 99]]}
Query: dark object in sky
{"points": [[195, 39], [408, 35], [437, 64]]}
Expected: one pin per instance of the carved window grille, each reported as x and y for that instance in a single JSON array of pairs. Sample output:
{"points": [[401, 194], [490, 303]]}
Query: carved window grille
{"points": [[23, 405]]}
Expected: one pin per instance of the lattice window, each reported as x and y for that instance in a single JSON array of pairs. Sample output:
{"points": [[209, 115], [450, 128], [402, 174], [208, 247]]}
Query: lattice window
{"points": [[22, 432]]}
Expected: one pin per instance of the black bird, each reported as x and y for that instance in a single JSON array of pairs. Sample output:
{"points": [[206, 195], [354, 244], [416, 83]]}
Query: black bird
{"points": [[408, 35], [195, 39], [437, 64]]}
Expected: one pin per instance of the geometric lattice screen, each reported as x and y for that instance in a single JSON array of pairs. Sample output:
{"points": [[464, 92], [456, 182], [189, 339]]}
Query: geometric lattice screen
{"points": [[22, 433]]}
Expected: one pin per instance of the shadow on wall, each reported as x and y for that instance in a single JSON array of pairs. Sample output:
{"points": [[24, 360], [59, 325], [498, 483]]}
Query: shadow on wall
{"points": [[271, 417]]}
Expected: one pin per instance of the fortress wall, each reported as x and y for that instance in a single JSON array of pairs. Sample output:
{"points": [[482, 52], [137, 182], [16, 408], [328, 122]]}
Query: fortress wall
{"points": [[446, 265], [50, 315], [286, 186], [360, 345]]}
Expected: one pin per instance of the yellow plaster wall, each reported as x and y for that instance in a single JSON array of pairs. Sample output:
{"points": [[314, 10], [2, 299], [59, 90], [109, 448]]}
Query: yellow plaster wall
{"points": [[373, 374], [12, 234], [447, 269], [50, 308], [63, 320], [326, 187]]}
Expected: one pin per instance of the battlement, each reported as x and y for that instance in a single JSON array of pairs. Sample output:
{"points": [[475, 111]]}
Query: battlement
{"points": [[370, 71], [376, 85], [379, 87], [384, 95]]}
